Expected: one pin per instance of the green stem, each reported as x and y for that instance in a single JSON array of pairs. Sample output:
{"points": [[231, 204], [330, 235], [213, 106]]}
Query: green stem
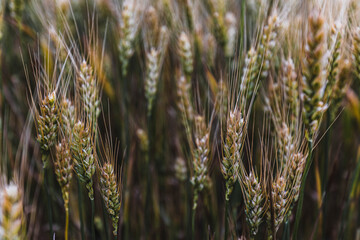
{"points": [[106, 225], [193, 223], [346, 211], [48, 200], [92, 219], [149, 162], [188, 209], [286, 232], [302, 191], [125, 102], [226, 218], [66, 222], [325, 172], [80, 202]]}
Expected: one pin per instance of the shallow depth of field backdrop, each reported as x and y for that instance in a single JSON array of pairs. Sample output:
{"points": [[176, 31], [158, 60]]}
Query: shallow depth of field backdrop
{"points": [[179, 119]]}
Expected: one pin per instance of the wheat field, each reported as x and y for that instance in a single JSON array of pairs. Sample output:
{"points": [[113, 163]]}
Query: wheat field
{"points": [[179, 119]]}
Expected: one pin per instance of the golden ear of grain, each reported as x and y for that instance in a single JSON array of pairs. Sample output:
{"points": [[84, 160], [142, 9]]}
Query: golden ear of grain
{"points": [[233, 146], [111, 194], [200, 179], [184, 101], [186, 55], [249, 78], [128, 31], [313, 81], [333, 62], [144, 141], [63, 169], [231, 34], [82, 153], [290, 81], [267, 46], [153, 72], [67, 120], [12, 222], [180, 169], [47, 125], [341, 85], [280, 199], [356, 52], [254, 202], [89, 92], [221, 101]]}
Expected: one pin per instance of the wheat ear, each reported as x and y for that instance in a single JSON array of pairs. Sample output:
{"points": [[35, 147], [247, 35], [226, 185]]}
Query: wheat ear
{"points": [[63, 172], [89, 92], [12, 222], [356, 51], [47, 125], [313, 81], [254, 197], [111, 193], [82, 153], [233, 146], [186, 55], [201, 158]]}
